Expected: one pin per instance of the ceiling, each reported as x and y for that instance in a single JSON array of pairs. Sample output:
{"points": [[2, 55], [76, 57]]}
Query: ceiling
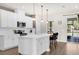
{"points": [[53, 8]]}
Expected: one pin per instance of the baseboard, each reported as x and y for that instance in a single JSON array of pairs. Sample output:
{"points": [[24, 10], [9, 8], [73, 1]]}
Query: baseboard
{"points": [[61, 41]]}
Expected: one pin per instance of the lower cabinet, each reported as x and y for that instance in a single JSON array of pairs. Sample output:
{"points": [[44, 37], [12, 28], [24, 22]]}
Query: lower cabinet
{"points": [[1, 42], [25, 46], [7, 42], [42, 44], [33, 45]]}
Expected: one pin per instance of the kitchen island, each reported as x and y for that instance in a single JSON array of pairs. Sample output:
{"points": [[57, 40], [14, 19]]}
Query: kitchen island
{"points": [[34, 44]]}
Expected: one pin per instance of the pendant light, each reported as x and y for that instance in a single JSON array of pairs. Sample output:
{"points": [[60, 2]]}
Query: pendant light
{"points": [[46, 15], [41, 13], [34, 18]]}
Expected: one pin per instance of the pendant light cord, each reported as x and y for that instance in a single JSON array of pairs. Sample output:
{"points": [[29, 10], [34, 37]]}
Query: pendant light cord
{"points": [[41, 12]]}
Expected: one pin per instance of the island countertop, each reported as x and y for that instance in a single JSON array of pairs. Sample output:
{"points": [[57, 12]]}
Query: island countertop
{"points": [[35, 35]]}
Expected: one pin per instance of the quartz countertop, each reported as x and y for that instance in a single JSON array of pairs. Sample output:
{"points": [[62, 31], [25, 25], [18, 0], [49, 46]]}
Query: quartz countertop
{"points": [[34, 35]]}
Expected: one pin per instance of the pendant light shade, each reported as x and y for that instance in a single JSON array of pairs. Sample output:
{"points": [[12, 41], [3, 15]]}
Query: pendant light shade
{"points": [[41, 13], [46, 15]]}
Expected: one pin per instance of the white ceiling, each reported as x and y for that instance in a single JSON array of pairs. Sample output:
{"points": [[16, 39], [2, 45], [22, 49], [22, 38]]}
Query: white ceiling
{"points": [[52, 7]]}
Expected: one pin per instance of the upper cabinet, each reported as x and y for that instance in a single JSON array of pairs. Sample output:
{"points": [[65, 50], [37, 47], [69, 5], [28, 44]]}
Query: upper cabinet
{"points": [[3, 18], [7, 19], [10, 19]]}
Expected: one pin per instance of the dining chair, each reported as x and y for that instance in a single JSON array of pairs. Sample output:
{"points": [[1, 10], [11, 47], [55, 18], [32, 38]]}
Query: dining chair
{"points": [[53, 39]]}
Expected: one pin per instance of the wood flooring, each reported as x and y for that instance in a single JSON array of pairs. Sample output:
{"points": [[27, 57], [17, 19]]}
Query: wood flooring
{"points": [[61, 49], [12, 51]]}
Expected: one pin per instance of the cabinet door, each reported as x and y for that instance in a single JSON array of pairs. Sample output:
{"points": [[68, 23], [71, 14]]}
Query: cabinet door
{"points": [[1, 42], [25, 46], [7, 42], [39, 46], [8, 19], [10, 40], [46, 43], [3, 18], [12, 20]]}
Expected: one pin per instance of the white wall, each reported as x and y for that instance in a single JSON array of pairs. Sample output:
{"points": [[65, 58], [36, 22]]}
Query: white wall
{"points": [[62, 29], [60, 26]]}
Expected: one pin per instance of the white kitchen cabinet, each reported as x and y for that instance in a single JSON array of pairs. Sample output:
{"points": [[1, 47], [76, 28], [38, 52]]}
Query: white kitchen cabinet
{"points": [[42, 44], [8, 19], [33, 44], [10, 42], [39, 46], [8, 39], [6, 42], [1, 42], [12, 20], [3, 18], [25, 46]]}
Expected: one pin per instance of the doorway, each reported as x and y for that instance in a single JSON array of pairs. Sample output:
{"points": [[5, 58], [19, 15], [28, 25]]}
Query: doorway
{"points": [[49, 26], [72, 29]]}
